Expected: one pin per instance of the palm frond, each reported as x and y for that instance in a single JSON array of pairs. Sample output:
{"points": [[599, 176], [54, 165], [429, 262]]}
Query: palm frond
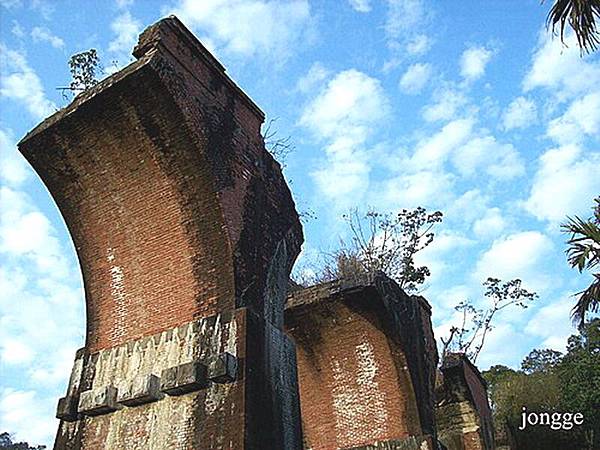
{"points": [[584, 244], [581, 16], [589, 301]]}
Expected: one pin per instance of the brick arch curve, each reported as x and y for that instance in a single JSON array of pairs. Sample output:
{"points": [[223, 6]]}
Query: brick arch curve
{"points": [[175, 208], [127, 203]]}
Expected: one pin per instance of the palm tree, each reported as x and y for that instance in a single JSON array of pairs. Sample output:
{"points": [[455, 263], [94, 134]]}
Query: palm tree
{"points": [[584, 253], [581, 16]]}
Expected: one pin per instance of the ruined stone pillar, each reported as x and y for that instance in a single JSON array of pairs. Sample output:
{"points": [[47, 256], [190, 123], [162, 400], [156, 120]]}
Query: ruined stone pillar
{"points": [[463, 413], [186, 232]]}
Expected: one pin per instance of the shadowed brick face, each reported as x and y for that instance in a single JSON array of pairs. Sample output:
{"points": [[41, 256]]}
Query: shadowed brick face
{"points": [[127, 214], [356, 383], [186, 232]]}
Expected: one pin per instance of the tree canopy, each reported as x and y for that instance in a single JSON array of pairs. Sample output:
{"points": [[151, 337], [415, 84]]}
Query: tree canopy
{"points": [[552, 382]]}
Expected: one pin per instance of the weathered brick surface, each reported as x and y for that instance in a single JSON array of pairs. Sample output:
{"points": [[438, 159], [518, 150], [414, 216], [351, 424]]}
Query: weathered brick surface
{"points": [[175, 208], [177, 213], [186, 233], [356, 374], [463, 414]]}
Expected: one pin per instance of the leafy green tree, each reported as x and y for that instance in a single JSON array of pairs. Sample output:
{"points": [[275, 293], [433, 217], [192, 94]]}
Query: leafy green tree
{"points": [[494, 377], [549, 382], [579, 373], [584, 254], [539, 391], [541, 361], [581, 16], [6, 443], [84, 69]]}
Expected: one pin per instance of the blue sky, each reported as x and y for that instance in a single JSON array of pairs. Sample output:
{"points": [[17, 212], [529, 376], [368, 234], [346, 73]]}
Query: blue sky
{"points": [[467, 107]]}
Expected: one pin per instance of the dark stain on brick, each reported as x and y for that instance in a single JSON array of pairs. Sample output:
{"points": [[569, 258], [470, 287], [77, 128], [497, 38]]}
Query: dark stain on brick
{"points": [[221, 128]]}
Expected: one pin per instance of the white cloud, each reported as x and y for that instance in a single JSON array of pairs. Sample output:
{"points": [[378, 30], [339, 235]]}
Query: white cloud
{"points": [[415, 78], [516, 256], [421, 188], [419, 45], [313, 78], [498, 160], [521, 113], [343, 114], [9, 4], [551, 323], [26, 416], [13, 168], [17, 30], [435, 150], [491, 224], [14, 351], [565, 184], [43, 7], [57, 370], [345, 176], [250, 27], [20, 83], [360, 5], [438, 256], [469, 206], [446, 105], [473, 62], [347, 106], [405, 16], [26, 232], [581, 119], [38, 285], [406, 28], [560, 69], [126, 29], [500, 346], [121, 4], [39, 34]]}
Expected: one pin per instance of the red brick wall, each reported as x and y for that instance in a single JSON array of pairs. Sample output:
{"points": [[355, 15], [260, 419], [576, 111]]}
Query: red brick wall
{"points": [[124, 199], [174, 206], [351, 393], [463, 386]]}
